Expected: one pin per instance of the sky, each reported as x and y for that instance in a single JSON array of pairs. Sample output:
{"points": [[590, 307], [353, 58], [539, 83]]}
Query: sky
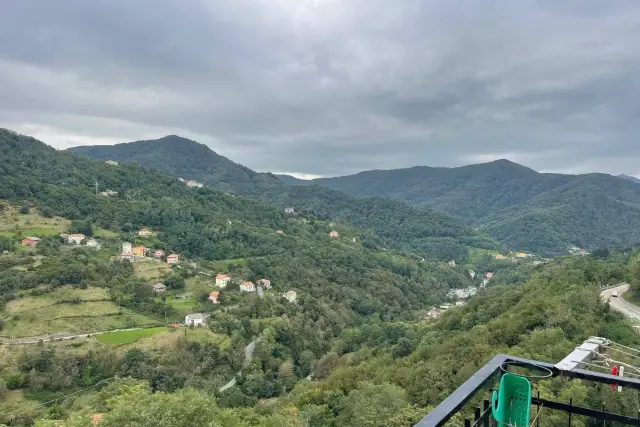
{"points": [[333, 87]]}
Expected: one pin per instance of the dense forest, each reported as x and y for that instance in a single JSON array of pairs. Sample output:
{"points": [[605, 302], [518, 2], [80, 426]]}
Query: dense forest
{"points": [[435, 235], [519, 207]]}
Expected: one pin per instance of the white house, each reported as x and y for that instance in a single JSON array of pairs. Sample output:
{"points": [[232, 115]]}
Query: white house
{"points": [[126, 247], [247, 287], [195, 319], [290, 296], [173, 259], [265, 282], [289, 211], [76, 238], [112, 162], [452, 263], [93, 243], [222, 280]]}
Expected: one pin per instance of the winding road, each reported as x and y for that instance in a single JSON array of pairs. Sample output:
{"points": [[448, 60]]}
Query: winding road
{"points": [[248, 354], [619, 303]]}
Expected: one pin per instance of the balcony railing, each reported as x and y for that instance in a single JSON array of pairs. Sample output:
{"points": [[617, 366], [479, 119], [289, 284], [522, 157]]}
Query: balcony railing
{"points": [[474, 386]]}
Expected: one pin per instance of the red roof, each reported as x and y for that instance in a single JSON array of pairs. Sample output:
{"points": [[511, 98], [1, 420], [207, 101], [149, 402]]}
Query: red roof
{"points": [[173, 256], [247, 284], [222, 276], [215, 294]]}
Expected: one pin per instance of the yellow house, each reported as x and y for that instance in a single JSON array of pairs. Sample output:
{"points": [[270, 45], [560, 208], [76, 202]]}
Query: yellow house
{"points": [[521, 255], [139, 250]]}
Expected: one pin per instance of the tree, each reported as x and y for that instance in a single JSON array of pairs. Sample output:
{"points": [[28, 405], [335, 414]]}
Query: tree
{"points": [[83, 227], [376, 405], [174, 281], [24, 209]]}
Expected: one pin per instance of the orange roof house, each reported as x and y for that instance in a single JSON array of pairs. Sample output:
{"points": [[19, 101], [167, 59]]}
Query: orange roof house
{"points": [[30, 241], [334, 235], [213, 297]]}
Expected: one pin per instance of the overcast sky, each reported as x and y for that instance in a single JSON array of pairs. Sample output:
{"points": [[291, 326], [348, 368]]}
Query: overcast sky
{"points": [[332, 87]]}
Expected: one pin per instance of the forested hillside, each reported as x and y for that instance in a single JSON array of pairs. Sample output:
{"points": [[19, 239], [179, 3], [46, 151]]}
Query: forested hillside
{"points": [[518, 206], [54, 288], [434, 235], [392, 374]]}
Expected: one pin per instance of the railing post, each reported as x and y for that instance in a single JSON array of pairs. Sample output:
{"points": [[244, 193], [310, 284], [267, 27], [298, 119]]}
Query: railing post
{"points": [[570, 404], [538, 417], [476, 416], [487, 416], [467, 422]]}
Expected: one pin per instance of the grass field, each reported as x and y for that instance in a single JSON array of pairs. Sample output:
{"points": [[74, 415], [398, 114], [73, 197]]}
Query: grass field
{"points": [[44, 314], [149, 269], [222, 264], [64, 293], [125, 337], [31, 224], [104, 233], [476, 253]]}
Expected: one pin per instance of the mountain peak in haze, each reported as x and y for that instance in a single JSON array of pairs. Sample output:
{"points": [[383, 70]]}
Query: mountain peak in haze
{"points": [[629, 178]]}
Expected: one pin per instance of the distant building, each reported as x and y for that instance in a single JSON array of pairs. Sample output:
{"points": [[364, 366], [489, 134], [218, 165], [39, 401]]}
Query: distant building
{"points": [[96, 418], [354, 240], [195, 319], [111, 162], [30, 241], [289, 211], [194, 184], [247, 287], [145, 232], [290, 296], [522, 255], [462, 293], [334, 235], [222, 280], [472, 274], [139, 251], [488, 276], [265, 283], [280, 232], [452, 263], [128, 256], [93, 243], [500, 256], [433, 313], [159, 287], [158, 254], [126, 247], [76, 239], [109, 193], [173, 259], [213, 297]]}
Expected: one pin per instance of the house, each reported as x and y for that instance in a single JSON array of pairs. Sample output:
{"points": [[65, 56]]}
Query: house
{"points": [[523, 255], [159, 287], [265, 283], [488, 276], [290, 295], [181, 179], [139, 251], [354, 240], [158, 254], [433, 313], [334, 235], [247, 287], [222, 280], [109, 193], [111, 162], [93, 243], [289, 211], [195, 319], [213, 297], [75, 238], [126, 247], [472, 274], [173, 259], [129, 256], [500, 256], [452, 263], [194, 184], [145, 232], [280, 232], [30, 241]]}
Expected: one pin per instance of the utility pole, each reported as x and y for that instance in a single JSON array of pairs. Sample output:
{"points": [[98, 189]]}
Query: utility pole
{"points": [[96, 187]]}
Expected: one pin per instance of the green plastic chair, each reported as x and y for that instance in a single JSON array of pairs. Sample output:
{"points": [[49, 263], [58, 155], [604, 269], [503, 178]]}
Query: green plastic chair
{"points": [[511, 404]]}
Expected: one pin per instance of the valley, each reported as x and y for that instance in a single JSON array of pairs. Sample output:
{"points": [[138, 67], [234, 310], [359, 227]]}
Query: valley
{"points": [[167, 291]]}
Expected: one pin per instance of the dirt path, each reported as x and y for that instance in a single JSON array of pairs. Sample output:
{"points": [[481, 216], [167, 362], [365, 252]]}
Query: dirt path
{"points": [[248, 354]]}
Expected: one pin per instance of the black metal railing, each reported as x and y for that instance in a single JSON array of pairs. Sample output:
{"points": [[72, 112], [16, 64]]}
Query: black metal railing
{"points": [[492, 370]]}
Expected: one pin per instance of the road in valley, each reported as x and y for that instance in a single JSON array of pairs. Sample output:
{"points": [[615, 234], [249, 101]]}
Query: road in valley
{"points": [[248, 354], [619, 303]]}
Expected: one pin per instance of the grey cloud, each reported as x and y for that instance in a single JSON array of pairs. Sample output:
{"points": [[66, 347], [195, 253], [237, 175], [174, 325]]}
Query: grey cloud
{"points": [[331, 87]]}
